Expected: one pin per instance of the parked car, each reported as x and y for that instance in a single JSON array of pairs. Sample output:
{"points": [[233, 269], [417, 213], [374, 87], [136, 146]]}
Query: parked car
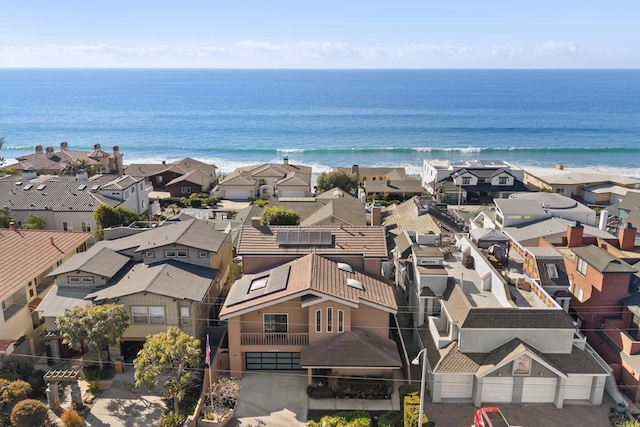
{"points": [[490, 417]]}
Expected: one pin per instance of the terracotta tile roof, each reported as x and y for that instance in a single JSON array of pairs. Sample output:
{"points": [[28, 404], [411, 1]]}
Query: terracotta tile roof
{"points": [[309, 274], [354, 348], [403, 217], [369, 241], [28, 253]]}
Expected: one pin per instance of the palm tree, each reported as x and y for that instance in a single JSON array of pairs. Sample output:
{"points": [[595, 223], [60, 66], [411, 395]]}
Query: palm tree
{"points": [[1, 144], [74, 166]]}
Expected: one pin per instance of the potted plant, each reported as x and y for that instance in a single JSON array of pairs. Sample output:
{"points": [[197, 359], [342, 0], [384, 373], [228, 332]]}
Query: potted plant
{"points": [[221, 402]]}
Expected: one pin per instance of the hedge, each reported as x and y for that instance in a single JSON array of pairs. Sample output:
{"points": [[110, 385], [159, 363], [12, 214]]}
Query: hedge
{"points": [[411, 410], [344, 419], [391, 419]]}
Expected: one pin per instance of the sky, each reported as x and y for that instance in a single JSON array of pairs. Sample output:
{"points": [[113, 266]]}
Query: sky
{"points": [[320, 34]]}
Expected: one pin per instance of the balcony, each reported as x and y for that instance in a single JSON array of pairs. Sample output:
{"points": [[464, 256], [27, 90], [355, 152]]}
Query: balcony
{"points": [[274, 339], [14, 307]]}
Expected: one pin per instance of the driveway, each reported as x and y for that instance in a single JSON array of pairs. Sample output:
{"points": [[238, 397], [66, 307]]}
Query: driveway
{"points": [[277, 399], [124, 405]]}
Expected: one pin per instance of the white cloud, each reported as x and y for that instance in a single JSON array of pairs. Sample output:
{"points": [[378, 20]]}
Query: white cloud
{"points": [[505, 51], [553, 48]]}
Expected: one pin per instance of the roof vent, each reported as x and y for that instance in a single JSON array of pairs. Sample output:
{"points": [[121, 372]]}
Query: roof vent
{"points": [[355, 284], [345, 267]]}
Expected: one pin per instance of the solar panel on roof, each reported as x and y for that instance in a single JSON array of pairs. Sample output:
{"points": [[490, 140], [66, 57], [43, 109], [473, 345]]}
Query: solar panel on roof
{"points": [[304, 238]]}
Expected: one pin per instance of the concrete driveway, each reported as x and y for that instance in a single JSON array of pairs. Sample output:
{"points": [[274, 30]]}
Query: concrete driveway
{"points": [[277, 399], [124, 405]]}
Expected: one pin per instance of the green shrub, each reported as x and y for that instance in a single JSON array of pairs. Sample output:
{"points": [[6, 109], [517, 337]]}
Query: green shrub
{"points": [[72, 419], [172, 420], [320, 392], [16, 390], [391, 419], [211, 201], [261, 203], [29, 413], [20, 366], [344, 419], [411, 410], [404, 390], [94, 386], [94, 373], [195, 203]]}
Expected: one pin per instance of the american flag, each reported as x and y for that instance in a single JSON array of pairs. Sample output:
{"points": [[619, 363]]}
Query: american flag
{"points": [[207, 352]]}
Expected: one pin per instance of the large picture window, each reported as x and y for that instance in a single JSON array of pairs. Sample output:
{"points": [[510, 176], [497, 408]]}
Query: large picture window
{"points": [[276, 323], [147, 315]]}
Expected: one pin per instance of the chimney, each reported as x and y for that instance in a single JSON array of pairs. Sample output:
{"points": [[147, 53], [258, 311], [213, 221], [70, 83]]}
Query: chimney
{"points": [[376, 215], [627, 237], [255, 221], [574, 235], [12, 226], [285, 160], [52, 242], [118, 160], [49, 152], [29, 174], [355, 170], [388, 183], [38, 149], [96, 147], [82, 175], [64, 146]]}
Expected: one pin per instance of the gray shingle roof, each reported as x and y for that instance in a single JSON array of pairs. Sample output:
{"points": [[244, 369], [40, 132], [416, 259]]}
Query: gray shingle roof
{"points": [[61, 298], [602, 260], [194, 233], [515, 318], [99, 260], [172, 279]]}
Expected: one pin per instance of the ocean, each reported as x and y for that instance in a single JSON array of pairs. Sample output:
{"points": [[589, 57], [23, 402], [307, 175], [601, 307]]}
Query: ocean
{"points": [[329, 118]]}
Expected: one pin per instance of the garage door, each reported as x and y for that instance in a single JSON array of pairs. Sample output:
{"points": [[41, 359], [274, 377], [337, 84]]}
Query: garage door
{"points": [[495, 389], [578, 388], [272, 361], [539, 390], [237, 194], [457, 387]]}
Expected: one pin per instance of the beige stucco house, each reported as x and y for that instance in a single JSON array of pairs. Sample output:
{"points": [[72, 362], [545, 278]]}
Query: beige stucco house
{"points": [[311, 313]]}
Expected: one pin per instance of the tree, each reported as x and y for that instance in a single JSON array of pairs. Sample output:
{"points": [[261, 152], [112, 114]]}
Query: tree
{"points": [[99, 325], [345, 181], [35, 222], [29, 413], [74, 166], [1, 144], [5, 217], [106, 216], [278, 215], [168, 354]]}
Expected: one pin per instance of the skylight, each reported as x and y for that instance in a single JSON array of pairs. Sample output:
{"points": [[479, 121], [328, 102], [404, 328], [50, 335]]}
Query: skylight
{"points": [[355, 284], [257, 284], [345, 267], [553, 271]]}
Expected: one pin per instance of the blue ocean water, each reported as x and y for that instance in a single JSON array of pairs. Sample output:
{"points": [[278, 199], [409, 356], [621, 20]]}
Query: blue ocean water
{"points": [[328, 118]]}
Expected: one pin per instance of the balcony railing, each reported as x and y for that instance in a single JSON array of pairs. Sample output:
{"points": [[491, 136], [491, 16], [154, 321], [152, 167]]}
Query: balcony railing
{"points": [[276, 338], [15, 307]]}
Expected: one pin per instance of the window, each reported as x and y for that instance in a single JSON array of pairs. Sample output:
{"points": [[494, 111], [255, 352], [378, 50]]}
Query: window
{"points": [[87, 280], [74, 279], [133, 189], [578, 293], [149, 254], [318, 321], [202, 254], [503, 180], [182, 254], [159, 179], [340, 321], [582, 266], [329, 319], [31, 293], [170, 254], [86, 226], [275, 323], [185, 318], [67, 226], [185, 190], [141, 186], [560, 190], [466, 180], [145, 315]]}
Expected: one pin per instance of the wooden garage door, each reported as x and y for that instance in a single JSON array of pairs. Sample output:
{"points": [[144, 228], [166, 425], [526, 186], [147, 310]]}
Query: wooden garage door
{"points": [[578, 388], [497, 389], [539, 390], [457, 387]]}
